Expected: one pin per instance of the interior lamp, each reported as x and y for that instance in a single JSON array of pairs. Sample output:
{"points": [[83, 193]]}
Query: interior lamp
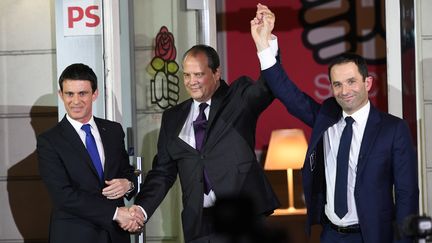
{"points": [[286, 151]]}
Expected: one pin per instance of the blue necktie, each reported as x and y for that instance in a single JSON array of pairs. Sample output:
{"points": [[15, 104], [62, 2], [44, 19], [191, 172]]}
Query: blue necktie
{"points": [[200, 125], [92, 150], [341, 192]]}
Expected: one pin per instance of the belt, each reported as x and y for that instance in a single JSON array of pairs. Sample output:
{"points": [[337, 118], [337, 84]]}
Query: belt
{"points": [[350, 229]]}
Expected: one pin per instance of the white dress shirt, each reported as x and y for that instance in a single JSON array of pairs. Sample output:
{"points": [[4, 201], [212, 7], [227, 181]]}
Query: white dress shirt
{"points": [[331, 146], [187, 134], [267, 59], [94, 130]]}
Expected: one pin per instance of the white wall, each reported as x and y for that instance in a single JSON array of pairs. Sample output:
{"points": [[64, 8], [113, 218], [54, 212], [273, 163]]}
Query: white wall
{"points": [[424, 91], [27, 106]]}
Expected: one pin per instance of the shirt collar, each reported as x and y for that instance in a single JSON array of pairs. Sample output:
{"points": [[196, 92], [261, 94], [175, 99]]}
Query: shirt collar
{"points": [[77, 125], [360, 116], [197, 103]]}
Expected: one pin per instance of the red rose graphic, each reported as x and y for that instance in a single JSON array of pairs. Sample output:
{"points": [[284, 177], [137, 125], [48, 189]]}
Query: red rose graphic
{"points": [[165, 47]]}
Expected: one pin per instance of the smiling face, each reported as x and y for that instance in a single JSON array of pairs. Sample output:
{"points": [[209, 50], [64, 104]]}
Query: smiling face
{"points": [[78, 99], [349, 87], [199, 79]]}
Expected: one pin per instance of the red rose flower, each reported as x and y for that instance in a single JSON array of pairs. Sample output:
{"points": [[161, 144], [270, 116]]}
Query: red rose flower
{"points": [[165, 47]]}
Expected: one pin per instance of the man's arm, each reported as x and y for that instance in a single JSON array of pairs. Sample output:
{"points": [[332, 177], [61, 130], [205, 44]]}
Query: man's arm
{"points": [[155, 187], [297, 102], [405, 175], [125, 183], [163, 174], [256, 94], [65, 195]]}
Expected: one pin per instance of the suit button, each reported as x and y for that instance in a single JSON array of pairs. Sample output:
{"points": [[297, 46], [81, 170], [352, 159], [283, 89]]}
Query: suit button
{"points": [[202, 156]]}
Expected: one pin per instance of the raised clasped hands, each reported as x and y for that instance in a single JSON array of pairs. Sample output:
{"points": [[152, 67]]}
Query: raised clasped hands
{"points": [[262, 26], [130, 219]]}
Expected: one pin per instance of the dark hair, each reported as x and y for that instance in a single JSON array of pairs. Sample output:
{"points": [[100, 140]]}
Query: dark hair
{"points": [[212, 56], [78, 71], [359, 61]]}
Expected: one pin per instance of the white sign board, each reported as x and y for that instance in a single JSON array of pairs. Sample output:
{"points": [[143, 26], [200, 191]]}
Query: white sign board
{"points": [[82, 17]]}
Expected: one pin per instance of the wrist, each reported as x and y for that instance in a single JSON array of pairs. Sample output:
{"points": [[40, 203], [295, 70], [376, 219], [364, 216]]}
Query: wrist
{"points": [[262, 46], [131, 187]]}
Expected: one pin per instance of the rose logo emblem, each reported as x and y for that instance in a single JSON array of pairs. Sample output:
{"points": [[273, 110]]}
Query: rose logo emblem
{"points": [[164, 86]]}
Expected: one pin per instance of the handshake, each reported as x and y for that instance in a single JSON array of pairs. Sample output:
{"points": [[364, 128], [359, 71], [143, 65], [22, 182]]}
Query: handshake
{"points": [[130, 219]]}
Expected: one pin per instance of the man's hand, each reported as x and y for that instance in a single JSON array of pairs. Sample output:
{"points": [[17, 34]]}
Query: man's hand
{"points": [[128, 221], [136, 212], [262, 26], [116, 188]]}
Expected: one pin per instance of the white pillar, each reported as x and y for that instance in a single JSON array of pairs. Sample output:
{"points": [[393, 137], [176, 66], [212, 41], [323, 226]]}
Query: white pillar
{"points": [[394, 65]]}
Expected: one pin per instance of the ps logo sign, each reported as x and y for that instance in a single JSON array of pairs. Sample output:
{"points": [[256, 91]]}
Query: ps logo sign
{"points": [[81, 17]]}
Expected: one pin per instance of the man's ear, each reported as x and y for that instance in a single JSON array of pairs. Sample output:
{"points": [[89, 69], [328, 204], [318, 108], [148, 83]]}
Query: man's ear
{"points": [[60, 94], [217, 74], [95, 95], [368, 82]]}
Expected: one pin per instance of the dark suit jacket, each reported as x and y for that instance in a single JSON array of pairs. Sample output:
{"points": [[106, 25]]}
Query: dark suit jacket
{"points": [[227, 154], [80, 212], [387, 161]]}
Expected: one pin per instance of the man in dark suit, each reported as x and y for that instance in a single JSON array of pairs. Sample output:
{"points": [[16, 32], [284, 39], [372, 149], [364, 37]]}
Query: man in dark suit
{"points": [[87, 189], [221, 165], [380, 187]]}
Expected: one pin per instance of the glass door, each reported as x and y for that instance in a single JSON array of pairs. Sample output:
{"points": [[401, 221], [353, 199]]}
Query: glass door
{"points": [[163, 31]]}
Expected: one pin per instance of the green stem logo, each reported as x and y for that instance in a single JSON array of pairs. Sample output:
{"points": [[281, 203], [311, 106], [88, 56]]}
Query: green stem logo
{"points": [[164, 86]]}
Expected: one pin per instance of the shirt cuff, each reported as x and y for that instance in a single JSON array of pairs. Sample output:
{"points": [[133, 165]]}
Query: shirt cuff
{"points": [[145, 214], [115, 214], [267, 57], [274, 45]]}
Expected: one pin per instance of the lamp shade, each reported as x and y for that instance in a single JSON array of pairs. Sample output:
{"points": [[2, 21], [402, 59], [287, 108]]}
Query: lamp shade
{"points": [[287, 149]]}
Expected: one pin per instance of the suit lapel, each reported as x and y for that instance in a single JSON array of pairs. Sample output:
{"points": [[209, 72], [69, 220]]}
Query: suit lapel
{"points": [[217, 106], [215, 109], [69, 134], [216, 102], [329, 115], [369, 136], [182, 114], [320, 127], [180, 117], [312, 155], [105, 137]]}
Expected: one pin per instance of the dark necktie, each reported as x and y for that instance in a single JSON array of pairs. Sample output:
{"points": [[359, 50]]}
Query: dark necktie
{"points": [[341, 192], [200, 125], [92, 150]]}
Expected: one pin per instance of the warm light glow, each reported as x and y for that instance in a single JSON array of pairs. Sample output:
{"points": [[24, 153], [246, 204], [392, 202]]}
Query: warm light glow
{"points": [[287, 149]]}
